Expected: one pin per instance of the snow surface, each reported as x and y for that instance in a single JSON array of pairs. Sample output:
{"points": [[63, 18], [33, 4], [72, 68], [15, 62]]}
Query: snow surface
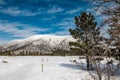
{"points": [[30, 68], [54, 68]]}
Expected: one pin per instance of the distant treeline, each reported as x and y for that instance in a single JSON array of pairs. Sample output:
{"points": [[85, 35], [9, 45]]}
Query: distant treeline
{"points": [[23, 53], [54, 53]]}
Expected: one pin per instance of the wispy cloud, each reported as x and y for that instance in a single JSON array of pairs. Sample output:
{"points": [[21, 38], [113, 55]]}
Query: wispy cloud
{"points": [[73, 11], [14, 29], [55, 9], [64, 26], [66, 22], [15, 11], [90, 9], [64, 32], [2, 2], [49, 18]]}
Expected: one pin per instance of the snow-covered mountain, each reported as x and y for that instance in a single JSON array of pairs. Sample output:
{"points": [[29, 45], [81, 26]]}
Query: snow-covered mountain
{"points": [[38, 43]]}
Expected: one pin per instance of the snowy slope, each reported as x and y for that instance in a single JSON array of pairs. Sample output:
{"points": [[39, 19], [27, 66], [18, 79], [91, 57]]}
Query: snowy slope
{"points": [[39, 43]]}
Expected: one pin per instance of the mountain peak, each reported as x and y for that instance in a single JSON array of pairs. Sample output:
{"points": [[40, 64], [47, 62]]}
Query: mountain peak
{"points": [[39, 43]]}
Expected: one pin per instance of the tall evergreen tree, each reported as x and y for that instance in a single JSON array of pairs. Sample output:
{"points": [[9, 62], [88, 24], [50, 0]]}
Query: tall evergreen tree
{"points": [[86, 34]]}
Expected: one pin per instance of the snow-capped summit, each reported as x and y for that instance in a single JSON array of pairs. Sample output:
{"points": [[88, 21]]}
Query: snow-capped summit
{"points": [[39, 43]]}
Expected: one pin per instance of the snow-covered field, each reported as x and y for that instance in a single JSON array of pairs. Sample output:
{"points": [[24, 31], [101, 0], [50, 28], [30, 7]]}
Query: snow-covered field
{"points": [[30, 68], [43, 68]]}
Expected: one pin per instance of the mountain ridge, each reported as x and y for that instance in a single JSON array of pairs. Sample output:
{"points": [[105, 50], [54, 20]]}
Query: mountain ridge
{"points": [[38, 43]]}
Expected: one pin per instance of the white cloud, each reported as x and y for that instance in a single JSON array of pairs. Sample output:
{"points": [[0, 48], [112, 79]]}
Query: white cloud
{"points": [[90, 9], [49, 18], [66, 22], [73, 11], [2, 2], [14, 30], [55, 9], [15, 11], [65, 25], [64, 32]]}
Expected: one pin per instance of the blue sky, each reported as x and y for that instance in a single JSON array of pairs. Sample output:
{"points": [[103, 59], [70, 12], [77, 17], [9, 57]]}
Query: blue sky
{"points": [[24, 18]]}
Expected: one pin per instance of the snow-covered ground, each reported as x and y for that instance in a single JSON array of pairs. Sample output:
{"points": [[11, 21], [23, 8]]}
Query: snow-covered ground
{"points": [[30, 68], [43, 68]]}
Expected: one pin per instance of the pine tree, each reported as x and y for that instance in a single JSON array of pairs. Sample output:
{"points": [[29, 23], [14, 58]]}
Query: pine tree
{"points": [[86, 34]]}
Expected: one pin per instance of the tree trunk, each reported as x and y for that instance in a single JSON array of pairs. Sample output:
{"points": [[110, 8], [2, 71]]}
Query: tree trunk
{"points": [[108, 72], [87, 62], [100, 77]]}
